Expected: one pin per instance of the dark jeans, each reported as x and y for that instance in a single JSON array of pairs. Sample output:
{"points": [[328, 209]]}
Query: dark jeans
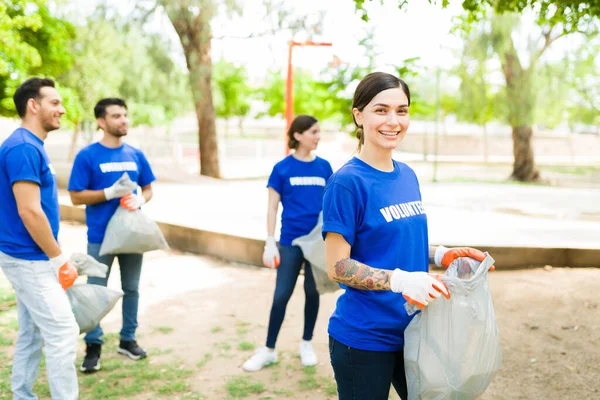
{"points": [[131, 268], [367, 375], [287, 275]]}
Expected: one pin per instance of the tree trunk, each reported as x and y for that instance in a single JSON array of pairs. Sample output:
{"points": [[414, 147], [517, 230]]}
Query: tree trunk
{"points": [[524, 169], [521, 102], [193, 29], [74, 138]]}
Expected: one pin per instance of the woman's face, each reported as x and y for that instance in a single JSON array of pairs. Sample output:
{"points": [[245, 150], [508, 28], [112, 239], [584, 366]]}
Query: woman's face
{"points": [[385, 119], [309, 139]]}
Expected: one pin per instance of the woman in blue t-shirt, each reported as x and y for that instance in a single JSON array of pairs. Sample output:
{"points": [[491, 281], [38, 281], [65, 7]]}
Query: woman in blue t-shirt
{"points": [[376, 246], [297, 182]]}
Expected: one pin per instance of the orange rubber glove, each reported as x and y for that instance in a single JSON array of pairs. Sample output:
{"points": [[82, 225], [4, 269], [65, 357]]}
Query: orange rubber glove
{"points": [[66, 272], [132, 202], [418, 288], [444, 256]]}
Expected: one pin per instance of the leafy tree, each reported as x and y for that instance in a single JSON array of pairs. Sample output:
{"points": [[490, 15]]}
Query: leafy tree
{"points": [[311, 97], [583, 77], [556, 19], [32, 42], [232, 92]]}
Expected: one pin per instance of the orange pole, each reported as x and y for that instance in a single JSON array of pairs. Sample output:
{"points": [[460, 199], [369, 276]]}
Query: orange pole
{"points": [[289, 86]]}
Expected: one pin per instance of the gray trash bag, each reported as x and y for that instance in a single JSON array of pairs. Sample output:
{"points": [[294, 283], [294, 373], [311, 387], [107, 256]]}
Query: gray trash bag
{"points": [[132, 232], [452, 348], [313, 249], [91, 303], [88, 265]]}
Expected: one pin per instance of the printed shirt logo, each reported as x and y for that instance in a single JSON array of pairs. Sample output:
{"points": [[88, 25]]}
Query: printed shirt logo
{"points": [[51, 168], [307, 181], [402, 210], [118, 166]]}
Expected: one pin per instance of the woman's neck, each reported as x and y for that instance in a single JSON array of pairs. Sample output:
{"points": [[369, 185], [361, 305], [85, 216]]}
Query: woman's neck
{"points": [[303, 154], [380, 159]]}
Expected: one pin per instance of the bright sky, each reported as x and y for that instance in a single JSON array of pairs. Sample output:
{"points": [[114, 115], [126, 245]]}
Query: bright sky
{"points": [[419, 30], [416, 31]]}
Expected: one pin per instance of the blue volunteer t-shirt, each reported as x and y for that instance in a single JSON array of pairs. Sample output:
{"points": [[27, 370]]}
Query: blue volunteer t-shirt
{"points": [[300, 185], [23, 158], [381, 216], [97, 167]]}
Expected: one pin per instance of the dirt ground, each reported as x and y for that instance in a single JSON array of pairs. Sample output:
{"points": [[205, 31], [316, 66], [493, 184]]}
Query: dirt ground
{"points": [[208, 314]]}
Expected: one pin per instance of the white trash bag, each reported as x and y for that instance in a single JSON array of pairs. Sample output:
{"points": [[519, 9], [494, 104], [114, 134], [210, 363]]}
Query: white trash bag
{"points": [[90, 303], [132, 232], [452, 348], [313, 249], [88, 265]]}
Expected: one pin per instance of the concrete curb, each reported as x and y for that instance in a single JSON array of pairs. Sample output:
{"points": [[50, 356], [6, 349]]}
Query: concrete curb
{"points": [[249, 251]]}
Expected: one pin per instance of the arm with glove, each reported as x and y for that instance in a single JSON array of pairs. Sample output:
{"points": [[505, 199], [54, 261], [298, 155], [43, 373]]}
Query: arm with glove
{"points": [[271, 258], [121, 188], [27, 196], [419, 288], [443, 256], [134, 201]]}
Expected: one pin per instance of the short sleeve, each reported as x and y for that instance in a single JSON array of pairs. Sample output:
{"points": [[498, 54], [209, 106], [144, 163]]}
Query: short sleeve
{"points": [[146, 175], [275, 181], [81, 174], [340, 212], [329, 170], [24, 163]]}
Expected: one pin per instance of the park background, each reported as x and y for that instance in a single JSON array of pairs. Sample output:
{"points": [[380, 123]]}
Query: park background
{"points": [[504, 139]]}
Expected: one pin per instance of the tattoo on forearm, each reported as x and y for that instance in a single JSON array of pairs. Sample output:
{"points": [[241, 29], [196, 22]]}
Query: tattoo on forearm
{"points": [[360, 276]]}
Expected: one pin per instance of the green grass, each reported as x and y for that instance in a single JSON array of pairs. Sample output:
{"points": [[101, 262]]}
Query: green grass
{"points": [[243, 386], [223, 346], [245, 346], [207, 357], [159, 352], [216, 329], [572, 170], [282, 392], [5, 341], [309, 379], [163, 329], [241, 331], [119, 378]]}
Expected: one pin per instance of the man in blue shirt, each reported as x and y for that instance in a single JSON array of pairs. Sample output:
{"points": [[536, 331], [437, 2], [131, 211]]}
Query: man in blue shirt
{"points": [[30, 255], [95, 182]]}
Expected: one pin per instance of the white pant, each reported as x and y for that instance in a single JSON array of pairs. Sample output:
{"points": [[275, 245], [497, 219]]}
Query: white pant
{"points": [[44, 315]]}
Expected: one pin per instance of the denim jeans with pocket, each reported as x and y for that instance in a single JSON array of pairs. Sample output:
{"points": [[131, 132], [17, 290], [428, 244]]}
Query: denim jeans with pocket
{"points": [[292, 260], [131, 269], [45, 317], [367, 375]]}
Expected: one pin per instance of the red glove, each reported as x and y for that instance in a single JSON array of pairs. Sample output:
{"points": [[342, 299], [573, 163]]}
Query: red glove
{"points": [[67, 273], [444, 256]]}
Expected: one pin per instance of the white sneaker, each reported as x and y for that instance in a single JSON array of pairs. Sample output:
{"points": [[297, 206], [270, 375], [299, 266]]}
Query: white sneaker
{"points": [[307, 354], [261, 358]]}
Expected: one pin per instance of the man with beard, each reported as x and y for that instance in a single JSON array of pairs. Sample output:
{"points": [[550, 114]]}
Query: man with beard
{"points": [[95, 182], [30, 255]]}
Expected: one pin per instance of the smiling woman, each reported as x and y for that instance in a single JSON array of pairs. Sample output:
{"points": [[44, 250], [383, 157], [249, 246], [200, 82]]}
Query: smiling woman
{"points": [[377, 247]]}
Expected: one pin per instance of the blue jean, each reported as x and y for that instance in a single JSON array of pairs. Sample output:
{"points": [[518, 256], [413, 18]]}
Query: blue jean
{"points": [[44, 316], [291, 263], [131, 268], [367, 375]]}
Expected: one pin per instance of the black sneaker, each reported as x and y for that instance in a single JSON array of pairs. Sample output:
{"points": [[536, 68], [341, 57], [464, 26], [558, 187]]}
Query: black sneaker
{"points": [[131, 349], [91, 362]]}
